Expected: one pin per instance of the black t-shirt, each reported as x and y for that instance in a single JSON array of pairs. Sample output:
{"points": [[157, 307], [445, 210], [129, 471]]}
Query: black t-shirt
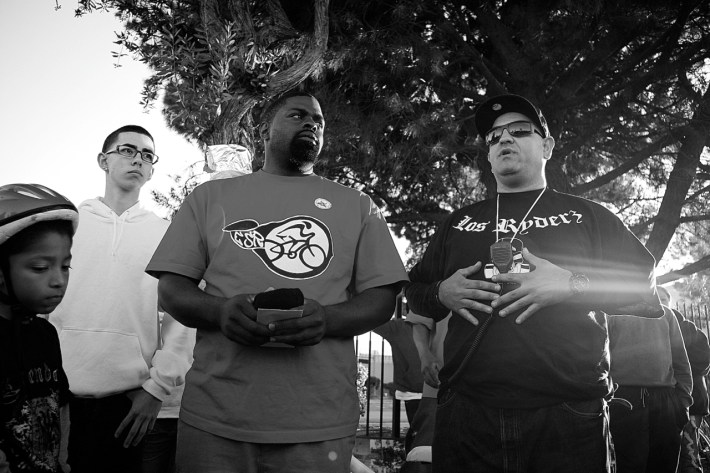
{"points": [[561, 352], [33, 386], [407, 367]]}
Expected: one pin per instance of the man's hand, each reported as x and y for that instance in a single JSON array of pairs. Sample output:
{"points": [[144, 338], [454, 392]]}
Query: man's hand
{"points": [[309, 329], [140, 418], [547, 285], [237, 317], [462, 295]]}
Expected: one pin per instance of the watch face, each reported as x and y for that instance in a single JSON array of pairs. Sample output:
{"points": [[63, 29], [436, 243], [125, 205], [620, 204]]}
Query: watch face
{"points": [[579, 283]]}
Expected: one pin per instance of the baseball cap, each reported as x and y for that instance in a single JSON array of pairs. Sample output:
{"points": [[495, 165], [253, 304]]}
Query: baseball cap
{"points": [[488, 111]]}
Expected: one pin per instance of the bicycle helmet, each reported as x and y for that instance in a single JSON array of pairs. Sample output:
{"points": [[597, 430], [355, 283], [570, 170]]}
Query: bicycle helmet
{"points": [[22, 205]]}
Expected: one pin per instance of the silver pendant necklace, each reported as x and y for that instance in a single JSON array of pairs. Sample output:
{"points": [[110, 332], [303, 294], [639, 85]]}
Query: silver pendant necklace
{"points": [[502, 250]]}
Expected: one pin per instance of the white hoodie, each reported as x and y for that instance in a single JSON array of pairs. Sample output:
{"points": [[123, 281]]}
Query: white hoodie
{"points": [[108, 321]]}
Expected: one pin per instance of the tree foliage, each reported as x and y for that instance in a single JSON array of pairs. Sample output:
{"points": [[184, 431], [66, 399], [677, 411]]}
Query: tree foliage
{"points": [[624, 86], [215, 61], [182, 186]]}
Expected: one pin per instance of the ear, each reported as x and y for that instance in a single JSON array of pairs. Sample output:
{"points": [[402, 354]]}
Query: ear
{"points": [[548, 144], [264, 131], [103, 163]]}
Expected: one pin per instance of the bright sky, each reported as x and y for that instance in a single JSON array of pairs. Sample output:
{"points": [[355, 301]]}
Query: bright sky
{"points": [[60, 95]]}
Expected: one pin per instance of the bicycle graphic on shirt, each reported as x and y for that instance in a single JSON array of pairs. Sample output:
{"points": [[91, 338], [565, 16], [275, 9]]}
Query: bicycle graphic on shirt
{"points": [[296, 243], [298, 247]]}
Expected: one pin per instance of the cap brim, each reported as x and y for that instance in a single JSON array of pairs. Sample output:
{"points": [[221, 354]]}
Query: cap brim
{"points": [[491, 109]]}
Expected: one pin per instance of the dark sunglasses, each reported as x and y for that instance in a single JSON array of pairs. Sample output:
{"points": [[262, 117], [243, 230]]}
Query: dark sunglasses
{"points": [[516, 130]]}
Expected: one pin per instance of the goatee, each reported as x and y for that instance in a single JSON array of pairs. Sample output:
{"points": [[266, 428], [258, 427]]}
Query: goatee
{"points": [[303, 153]]}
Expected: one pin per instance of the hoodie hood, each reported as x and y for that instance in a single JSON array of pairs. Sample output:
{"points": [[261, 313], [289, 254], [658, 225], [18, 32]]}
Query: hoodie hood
{"points": [[134, 214], [103, 212]]}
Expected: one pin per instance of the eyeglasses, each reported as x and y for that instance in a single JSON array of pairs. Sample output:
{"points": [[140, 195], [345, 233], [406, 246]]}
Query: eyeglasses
{"points": [[130, 151], [516, 130]]}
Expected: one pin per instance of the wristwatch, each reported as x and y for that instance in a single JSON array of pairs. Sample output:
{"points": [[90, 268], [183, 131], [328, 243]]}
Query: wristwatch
{"points": [[578, 284]]}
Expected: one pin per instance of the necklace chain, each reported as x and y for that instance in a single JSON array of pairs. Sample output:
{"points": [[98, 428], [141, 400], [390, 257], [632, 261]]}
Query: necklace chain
{"points": [[523, 220]]}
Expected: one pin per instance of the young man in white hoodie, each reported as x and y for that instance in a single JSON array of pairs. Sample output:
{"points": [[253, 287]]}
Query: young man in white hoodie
{"points": [[121, 365]]}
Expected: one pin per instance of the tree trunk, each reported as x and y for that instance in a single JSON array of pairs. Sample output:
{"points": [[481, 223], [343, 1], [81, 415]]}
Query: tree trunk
{"points": [[235, 124], [680, 179]]}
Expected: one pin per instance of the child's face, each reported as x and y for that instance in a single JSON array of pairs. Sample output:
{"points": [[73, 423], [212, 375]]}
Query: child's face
{"points": [[40, 273]]}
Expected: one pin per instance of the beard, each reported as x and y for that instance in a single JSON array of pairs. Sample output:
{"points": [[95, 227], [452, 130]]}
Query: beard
{"points": [[303, 153]]}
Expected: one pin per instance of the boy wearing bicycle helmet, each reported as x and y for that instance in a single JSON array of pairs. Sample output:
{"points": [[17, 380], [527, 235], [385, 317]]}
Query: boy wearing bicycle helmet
{"points": [[36, 230]]}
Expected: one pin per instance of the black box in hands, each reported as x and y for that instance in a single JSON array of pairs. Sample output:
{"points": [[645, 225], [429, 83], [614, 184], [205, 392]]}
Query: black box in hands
{"points": [[286, 298], [275, 305]]}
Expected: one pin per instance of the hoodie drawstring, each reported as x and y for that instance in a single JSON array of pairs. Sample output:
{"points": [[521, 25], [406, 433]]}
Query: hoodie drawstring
{"points": [[118, 224]]}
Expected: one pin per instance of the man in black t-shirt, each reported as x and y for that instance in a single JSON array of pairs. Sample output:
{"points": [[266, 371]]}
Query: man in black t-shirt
{"points": [[527, 276]]}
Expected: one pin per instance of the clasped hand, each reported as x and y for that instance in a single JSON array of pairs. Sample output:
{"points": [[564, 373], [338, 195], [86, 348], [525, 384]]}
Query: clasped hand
{"points": [[309, 329], [238, 323], [547, 285], [430, 369]]}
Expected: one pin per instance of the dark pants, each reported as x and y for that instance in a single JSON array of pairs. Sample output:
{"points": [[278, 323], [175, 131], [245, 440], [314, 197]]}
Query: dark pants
{"points": [[423, 423], [92, 445], [569, 437], [647, 437], [689, 449], [159, 447], [410, 407]]}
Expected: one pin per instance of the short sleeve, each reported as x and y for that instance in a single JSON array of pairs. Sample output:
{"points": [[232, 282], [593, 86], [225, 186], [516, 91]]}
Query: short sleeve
{"points": [[424, 275], [65, 395], [183, 248], [377, 262], [625, 271]]}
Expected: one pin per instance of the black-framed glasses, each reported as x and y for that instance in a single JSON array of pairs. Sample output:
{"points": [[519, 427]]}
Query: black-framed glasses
{"points": [[130, 151], [516, 130]]}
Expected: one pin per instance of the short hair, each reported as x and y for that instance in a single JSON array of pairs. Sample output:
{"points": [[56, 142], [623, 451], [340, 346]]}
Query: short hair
{"points": [[661, 289], [124, 129], [18, 242], [273, 106]]}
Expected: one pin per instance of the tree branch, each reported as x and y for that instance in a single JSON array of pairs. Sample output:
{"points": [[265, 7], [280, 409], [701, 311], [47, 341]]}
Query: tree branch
{"points": [[700, 265], [629, 164], [642, 226], [308, 62]]}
